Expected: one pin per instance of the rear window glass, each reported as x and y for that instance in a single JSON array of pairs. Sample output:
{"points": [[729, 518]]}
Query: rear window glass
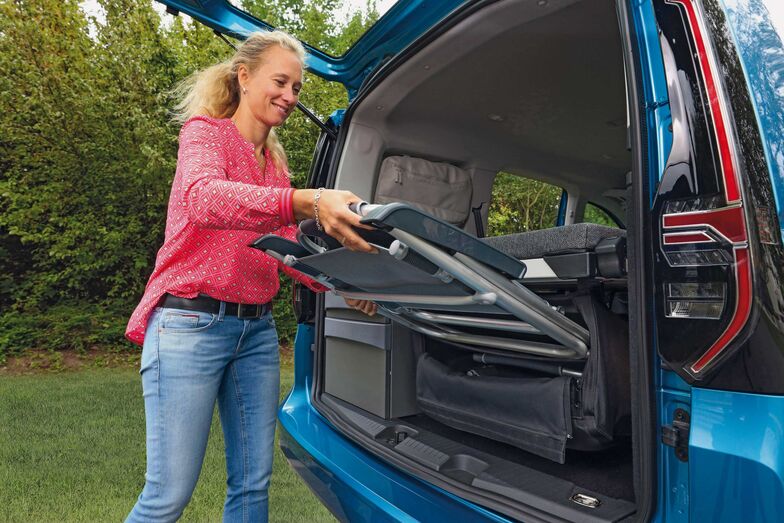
{"points": [[521, 204], [322, 24], [594, 214]]}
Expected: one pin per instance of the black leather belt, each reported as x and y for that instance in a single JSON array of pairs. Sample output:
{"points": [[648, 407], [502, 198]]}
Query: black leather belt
{"points": [[203, 303]]}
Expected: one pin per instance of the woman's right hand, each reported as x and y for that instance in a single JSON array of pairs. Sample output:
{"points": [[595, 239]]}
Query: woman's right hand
{"points": [[334, 215], [366, 306]]}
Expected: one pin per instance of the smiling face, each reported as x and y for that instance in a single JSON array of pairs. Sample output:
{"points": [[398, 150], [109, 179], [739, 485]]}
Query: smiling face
{"points": [[272, 90]]}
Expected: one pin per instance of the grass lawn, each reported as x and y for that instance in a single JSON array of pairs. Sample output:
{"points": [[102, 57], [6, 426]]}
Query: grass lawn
{"points": [[72, 449]]}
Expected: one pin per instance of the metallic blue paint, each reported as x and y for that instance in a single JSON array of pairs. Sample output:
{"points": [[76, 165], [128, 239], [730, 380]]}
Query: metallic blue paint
{"points": [[401, 25], [759, 43], [654, 89], [736, 456], [673, 495], [337, 117], [352, 483], [560, 220]]}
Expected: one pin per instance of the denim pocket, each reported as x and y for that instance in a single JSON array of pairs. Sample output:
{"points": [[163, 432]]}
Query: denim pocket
{"points": [[180, 320]]}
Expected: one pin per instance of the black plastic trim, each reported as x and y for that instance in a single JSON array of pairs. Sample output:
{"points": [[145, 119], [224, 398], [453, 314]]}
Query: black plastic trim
{"points": [[474, 467], [639, 282]]}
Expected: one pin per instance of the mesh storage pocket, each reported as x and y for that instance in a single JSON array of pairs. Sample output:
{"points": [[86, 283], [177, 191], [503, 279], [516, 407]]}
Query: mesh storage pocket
{"points": [[531, 413]]}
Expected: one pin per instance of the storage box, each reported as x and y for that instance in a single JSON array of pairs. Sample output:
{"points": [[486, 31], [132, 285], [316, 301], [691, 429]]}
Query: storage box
{"points": [[361, 355]]}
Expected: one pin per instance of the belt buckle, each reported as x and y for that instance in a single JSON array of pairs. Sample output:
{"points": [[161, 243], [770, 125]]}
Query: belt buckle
{"points": [[257, 308]]}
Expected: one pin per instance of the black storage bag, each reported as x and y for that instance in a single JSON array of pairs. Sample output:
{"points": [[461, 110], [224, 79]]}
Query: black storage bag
{"points": [[497, 407], [603, 395], [540, 414]]}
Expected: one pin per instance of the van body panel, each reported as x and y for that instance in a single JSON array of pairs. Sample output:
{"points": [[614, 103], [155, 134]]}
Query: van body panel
{"points": [[736, 456], [401, 25], [758, 32], [654, 90], [716, 469], [355, 486]]}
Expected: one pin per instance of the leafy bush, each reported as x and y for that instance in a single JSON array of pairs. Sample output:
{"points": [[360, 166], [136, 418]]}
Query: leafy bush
{"points": [[87, 155], [521, 204], [77, 326], [82, 327], [88, 151]]}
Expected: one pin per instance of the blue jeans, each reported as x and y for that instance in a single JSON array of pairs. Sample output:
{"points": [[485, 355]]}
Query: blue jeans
{"points": [[191, 359]]}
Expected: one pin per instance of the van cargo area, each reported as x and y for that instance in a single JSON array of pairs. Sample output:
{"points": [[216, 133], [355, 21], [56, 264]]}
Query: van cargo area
{"points": [[524, 407]]}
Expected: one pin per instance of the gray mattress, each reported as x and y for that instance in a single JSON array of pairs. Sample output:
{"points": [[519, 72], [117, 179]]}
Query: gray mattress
{"points": [[557, 240]]}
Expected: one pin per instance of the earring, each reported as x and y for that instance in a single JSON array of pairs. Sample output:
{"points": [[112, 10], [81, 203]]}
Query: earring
{"points": [[244, 90]]}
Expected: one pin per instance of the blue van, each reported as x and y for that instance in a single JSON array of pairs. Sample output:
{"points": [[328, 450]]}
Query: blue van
{"points": [[625, 371]]}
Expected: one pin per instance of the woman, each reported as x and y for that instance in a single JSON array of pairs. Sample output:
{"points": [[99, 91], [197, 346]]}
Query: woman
{"points": [[204, 320]]}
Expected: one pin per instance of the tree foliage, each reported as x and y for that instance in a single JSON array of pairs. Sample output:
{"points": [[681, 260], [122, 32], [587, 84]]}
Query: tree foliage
{"points": [[88, 150], [521, 204]]}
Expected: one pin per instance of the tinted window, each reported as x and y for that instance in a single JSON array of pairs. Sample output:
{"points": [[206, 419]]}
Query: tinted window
{"points": [[521, 204], [594, 214]]}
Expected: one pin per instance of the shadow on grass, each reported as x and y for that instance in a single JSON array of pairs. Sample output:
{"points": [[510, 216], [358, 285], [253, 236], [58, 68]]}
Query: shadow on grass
{"points": [[72, 449]]}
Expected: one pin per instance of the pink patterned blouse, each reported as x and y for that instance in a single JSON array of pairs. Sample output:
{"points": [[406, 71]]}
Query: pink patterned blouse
{"points": [[220, 202]]}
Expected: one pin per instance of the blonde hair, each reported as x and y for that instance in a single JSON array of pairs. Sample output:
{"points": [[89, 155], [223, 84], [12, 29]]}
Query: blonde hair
{"points": [[215, 91]]}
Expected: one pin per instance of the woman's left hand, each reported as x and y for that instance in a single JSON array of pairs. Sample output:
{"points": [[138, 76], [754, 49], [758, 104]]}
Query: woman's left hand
{"points": [[366, 306]]}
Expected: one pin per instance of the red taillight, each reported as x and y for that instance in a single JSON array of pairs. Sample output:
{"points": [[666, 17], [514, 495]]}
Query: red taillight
{"points": [[719, 116], [728, 222], [703, 301], [740, 316], [710, 233]]}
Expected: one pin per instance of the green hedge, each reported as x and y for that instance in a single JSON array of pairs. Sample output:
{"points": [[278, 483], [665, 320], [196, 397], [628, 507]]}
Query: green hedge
{"points": [[65, 326], [87, 326], [86, 161]]}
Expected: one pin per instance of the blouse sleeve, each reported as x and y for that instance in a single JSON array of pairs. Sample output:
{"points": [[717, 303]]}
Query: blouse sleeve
{"points": [[212, 201]]}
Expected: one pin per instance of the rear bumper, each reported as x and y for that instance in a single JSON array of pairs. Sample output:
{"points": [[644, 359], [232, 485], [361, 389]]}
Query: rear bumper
{"points": [[354, 485]]}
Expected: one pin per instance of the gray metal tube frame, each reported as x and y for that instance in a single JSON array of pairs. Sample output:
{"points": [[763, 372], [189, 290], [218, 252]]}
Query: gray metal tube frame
{"points": [[525, 347], [487, 298], [517, 300], [530, 298], [525, 304], [474, 321]]}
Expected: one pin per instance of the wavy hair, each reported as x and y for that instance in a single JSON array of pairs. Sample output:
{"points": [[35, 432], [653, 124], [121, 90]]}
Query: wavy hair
{"points": [[215, 91]]}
